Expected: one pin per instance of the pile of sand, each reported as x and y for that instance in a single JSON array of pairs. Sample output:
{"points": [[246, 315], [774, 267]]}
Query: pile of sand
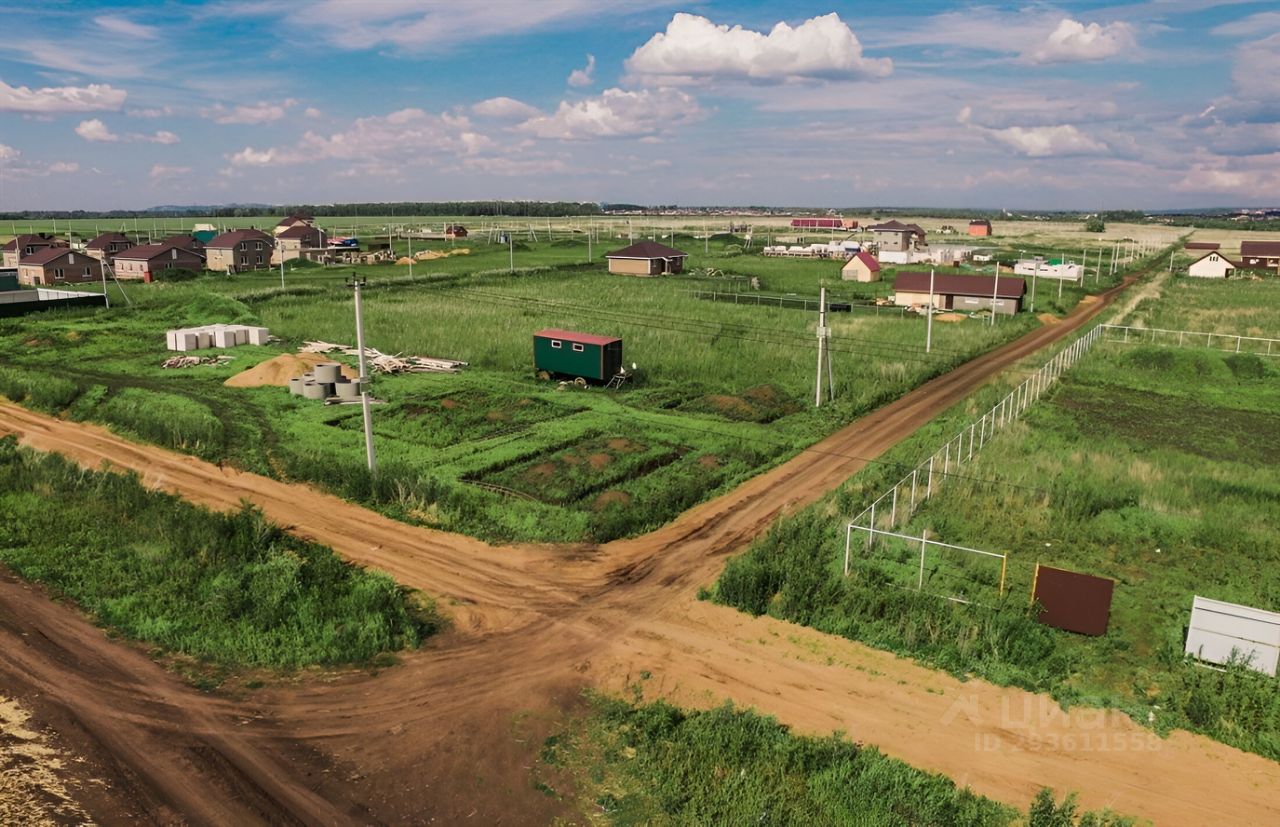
{"points": [[949, 317], [278, 371]]}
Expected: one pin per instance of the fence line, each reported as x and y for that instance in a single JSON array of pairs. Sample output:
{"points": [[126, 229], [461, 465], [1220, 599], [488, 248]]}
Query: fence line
{"points": [[1229, 342], [925, 544], [900, 502]]}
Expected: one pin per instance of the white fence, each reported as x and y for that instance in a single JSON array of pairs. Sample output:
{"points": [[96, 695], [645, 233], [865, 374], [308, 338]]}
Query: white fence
{"points": [[899, 503], [965, 575], [1187, 338]]}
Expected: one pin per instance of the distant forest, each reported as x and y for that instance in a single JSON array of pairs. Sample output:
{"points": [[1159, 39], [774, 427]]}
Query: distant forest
{"points": [[537, 209]]}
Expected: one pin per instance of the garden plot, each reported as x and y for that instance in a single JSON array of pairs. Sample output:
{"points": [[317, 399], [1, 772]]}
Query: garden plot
{"points": [[584, 474]]}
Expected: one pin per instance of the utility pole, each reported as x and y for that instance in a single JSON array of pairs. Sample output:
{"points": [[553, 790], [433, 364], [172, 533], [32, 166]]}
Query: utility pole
{"points": [[280, 252], [995, 291], [410, 252], [928, 326], [1033, 283], [511, 251], [357, 284], [824, 354]]}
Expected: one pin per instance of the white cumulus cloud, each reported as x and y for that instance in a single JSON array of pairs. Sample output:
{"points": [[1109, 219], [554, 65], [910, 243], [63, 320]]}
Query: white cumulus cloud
{"points": [[616, 113], [693, 47], [1076, 42], [258, 113], [53, 99], [586, 75], [1047, 141], [504, 108], [8, 153], [96, 131]]}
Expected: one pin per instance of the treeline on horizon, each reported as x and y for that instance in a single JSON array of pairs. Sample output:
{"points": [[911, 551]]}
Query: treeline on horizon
{"points": [[1216, 219]]}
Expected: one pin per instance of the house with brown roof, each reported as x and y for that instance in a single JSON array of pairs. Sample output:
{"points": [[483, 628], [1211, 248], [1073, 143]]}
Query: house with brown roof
{"points": [[1201, 245], [105, 246], [58, 265], [187, 242], [25, 245], [148, 261], [291, 243], [455, 231], [292, 220], [239, 250], [950, 291], [646, 258], [862, 267], [894, 236], [1260, 254]]}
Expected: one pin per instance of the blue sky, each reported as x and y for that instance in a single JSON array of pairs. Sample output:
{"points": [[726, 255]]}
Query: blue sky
{"points": [[1090, 105]]}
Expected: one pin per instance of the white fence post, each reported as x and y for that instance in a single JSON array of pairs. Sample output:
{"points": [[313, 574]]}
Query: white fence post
{"points": [[929, 486], [920, 583], [913, 491], [893, 513], [848, 541]]}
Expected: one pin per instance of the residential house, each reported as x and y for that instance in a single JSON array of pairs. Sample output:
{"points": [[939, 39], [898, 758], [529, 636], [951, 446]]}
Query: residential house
{"points": [[455, 231], [292, 220], [24, 245], [894, 236], [958, 292], [58, 265], [105, 246], [862, 267], [1260, 254], [148, 261], [239, 250], [646, 258], [291, 243], [1213, 265]]}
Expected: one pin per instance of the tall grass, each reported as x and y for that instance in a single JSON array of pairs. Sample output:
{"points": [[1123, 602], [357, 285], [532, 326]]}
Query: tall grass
{"points": [[232, 589], [656, 764]]}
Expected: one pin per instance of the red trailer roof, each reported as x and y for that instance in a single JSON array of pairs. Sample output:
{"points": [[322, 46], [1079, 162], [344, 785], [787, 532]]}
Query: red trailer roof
{"points": [[572, 336]]}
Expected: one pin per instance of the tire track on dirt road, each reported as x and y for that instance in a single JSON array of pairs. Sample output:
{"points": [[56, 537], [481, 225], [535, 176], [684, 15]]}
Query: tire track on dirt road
{"points": [[536, 623]]}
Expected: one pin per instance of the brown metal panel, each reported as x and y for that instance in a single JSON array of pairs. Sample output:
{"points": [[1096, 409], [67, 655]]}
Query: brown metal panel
{"points": [[1073, 601]]}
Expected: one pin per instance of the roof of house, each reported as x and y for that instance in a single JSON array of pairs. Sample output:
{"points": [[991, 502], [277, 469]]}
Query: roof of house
{"points": [[1222, 256], [573, 336], [980, 222], [1260, 248], [1202, 245], [103, 240], [184, 240], [48, 254], [300, 231], [27, 238], [294, 218], [146, 252], [896, 226], [867, 259], [229, 240], [914, 281], [647, 249]]}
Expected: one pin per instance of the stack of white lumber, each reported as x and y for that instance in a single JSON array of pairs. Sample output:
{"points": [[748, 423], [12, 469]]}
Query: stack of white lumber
{"points": [[381, 362]]}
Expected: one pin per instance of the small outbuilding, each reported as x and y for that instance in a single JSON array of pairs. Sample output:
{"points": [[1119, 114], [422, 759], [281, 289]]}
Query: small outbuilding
{"points": [[646, 258], [577, 355], [980, 227], [1213, 265], [862, 267], [951, 291], [455, 231]]}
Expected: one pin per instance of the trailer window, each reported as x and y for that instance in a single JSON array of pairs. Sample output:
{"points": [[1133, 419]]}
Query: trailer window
{"points": [[577, 348], [555, 343]]}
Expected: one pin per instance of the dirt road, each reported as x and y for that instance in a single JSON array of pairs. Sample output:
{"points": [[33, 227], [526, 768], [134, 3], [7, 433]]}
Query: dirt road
{"points": [[448, 734]]}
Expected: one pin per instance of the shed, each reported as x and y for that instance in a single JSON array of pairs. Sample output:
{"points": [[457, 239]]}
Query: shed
{"points": [[455, 231], [862, 267], [958, 292], [8, 280], [646, 258], [980, 227], [568, 353], [1212, 265]]}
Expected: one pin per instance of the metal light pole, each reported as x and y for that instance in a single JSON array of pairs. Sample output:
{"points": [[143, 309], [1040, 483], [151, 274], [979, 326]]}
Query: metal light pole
{"points": [[357, 284], [1035, 274], [511, 251], [280, 252]]}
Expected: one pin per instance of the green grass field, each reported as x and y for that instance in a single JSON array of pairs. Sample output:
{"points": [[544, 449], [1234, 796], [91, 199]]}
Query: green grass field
{"points": [[1146, 465], [229, 590], [655, 764], [723, 391]]}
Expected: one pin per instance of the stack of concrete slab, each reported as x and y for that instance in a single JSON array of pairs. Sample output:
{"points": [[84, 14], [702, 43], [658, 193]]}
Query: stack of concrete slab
{"points": [[216, 335]]}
